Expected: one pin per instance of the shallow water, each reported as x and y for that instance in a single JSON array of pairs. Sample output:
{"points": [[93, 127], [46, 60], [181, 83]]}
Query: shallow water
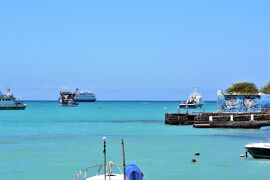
{"points": [[48, 141]]}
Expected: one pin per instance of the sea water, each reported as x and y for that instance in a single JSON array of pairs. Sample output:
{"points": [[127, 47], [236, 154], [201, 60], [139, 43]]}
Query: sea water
{"points": [[48, 141]]}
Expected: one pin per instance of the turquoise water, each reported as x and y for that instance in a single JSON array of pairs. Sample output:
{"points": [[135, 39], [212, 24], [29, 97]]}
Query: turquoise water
{"points": [[48, 141]]}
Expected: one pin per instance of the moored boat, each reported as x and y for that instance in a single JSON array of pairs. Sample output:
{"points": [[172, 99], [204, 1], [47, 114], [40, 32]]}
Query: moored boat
{"points": [[10, 102], [259, 150], [84, 96], [67, 98], [194, 100]]}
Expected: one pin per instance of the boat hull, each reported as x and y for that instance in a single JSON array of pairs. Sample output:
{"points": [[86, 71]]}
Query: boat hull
{"points": [[192, 106], [85, 100], [69, 104], [13, 107], [259, 152]]}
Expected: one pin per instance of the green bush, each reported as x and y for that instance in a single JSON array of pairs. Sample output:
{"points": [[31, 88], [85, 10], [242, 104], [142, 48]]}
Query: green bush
{"points": [[243, 88], [266, 89]]}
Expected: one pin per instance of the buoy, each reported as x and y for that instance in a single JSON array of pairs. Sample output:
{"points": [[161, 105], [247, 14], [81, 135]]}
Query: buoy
{"points": [[242, 155], [193, 160], [197, 154]]}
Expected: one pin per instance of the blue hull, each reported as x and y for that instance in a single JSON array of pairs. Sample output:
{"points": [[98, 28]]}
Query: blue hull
{"points": [[92, 100]]}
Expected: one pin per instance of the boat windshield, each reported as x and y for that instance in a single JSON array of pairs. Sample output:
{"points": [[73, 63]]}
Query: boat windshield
{"points": [[265, 130]]}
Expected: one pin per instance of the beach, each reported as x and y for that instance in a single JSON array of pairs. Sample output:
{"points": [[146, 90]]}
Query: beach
{"points": [[48, 141]]}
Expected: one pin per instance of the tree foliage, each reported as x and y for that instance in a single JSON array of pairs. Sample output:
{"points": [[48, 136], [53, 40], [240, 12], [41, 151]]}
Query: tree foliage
{"points": [[266, 89], [243, 88]]}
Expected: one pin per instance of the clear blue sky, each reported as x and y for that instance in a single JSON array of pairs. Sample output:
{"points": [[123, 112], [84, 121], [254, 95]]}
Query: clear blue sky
{"points": [[143, 49]]}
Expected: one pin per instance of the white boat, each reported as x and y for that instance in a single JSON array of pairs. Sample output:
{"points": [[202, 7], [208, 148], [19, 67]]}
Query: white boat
{"points": [[9, 102], [111, 171], [84, 96], [67, 98], [259, 150], [194, 100]]}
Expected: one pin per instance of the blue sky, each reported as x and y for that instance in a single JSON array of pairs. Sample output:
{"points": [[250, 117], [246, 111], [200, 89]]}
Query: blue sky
{"points": [[141, 50]]}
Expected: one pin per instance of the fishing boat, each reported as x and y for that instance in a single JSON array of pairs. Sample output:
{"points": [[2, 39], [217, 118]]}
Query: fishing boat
{"points": [[67, 98], [194, 100], [111, 171], [260, 150], [84, 96], [9, 102]]}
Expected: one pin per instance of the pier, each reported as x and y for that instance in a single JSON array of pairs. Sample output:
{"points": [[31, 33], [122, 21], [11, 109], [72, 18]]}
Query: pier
{"points": [[180, 119], [247, 120]]}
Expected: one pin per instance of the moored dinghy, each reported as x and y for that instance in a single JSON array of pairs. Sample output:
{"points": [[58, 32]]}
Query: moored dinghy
{"points": [[111, 171]]}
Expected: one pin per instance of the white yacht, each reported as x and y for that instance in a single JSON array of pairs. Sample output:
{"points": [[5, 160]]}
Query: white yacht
{"points": [[84, 96], [9, 102], [260, 150], [67, 98], [194, 100]]}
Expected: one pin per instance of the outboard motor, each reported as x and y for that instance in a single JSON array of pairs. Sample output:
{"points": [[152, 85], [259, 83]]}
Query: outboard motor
{"points": [[133, 172]]}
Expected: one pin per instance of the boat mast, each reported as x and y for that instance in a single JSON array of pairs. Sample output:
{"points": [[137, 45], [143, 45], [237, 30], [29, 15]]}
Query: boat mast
{"points": [[124, 159], [104, 152]]}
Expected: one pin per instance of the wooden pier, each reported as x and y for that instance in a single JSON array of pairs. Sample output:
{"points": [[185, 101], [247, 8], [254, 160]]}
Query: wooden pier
{"points": [[179, 119], [220, 120]]}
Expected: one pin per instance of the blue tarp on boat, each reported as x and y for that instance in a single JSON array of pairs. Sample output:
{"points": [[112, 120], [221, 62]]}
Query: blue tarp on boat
{"points": [[265, 128], [133, 172]]}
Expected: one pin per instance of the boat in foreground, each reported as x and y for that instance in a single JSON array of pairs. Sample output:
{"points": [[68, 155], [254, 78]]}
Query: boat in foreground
{"points": [[259, 150], [9, 102], [111, 171]]}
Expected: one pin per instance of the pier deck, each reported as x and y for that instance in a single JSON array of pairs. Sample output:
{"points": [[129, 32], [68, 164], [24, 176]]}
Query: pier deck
{"points": [[220, 120]]}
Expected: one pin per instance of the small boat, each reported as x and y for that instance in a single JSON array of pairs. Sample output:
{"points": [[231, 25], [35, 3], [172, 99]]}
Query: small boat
{"points": [[84, 96], [259, 150], [194, 100], [67, 98], [9, 102], [111, 171]]}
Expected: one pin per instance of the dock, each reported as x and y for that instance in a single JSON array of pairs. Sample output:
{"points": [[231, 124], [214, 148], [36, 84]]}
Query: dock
{"points": [[246, 120], [180, 119]]}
